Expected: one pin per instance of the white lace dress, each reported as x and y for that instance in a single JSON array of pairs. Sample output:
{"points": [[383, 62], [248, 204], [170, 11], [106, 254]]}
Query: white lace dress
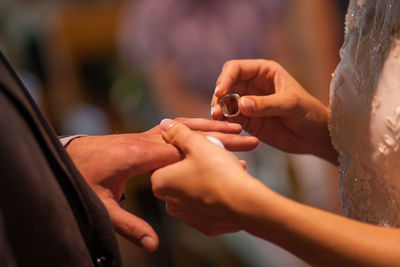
{"points": [[365, 113]]}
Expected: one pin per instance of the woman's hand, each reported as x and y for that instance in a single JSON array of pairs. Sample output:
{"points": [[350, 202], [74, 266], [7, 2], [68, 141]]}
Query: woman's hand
{"points": [[210, 190], [206, 188], [275, 108]]}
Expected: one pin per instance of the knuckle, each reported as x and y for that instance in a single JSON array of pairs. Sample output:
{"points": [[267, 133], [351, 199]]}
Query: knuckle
{"points": [[262, 60], [226, 64], [230, 63], [180, 132], [271, 62], [132, 228], [177, 135], [175, 131], [295, 101]]}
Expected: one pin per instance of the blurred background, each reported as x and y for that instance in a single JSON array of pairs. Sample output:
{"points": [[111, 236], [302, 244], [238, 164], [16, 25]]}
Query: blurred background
{"points": [[114, 66]]}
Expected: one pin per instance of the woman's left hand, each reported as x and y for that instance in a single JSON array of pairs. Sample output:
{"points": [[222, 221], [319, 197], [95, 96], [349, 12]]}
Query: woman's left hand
{"points": [[204, 188]]}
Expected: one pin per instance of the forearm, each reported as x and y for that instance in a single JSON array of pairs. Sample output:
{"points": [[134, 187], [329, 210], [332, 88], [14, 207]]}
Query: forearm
{"points": [[318, 237]]}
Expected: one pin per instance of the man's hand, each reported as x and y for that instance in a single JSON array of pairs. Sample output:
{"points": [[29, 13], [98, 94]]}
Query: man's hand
{"points": [[107, 162]]}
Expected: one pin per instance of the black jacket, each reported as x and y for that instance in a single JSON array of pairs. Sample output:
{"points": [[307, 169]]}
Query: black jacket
{"points": [[48, 214]]}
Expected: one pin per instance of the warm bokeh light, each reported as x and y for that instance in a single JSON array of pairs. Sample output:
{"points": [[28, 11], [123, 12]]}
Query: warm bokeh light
{"points": [[108, 66]]}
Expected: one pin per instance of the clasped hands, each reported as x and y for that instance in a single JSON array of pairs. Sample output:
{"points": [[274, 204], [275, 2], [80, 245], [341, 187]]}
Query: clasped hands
{"points": [[107, 162], [201, 182]]}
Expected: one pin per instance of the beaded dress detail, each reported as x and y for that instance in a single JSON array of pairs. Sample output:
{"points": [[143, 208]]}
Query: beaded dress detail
{"points": [[365, 120]]}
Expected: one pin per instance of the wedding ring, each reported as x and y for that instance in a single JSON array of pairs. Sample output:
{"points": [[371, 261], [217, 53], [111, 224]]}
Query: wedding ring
{"points": [[230, 105]]}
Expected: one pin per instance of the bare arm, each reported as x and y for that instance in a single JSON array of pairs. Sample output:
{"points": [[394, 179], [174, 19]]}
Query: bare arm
{"points": [[318, 237], [216, 196]]}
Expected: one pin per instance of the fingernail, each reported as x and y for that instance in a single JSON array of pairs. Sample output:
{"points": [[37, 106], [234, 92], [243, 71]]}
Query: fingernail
{"points": [[166, 124], [247, 104], [212, 111], [147, 242], [216, 89]]}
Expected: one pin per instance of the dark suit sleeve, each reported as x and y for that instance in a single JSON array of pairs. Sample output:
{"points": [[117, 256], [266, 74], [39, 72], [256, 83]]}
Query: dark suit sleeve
{"points": [[6, 256]]}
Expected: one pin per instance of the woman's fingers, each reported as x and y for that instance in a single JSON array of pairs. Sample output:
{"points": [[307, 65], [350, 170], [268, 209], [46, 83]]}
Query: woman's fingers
{"points": [[235, 77], [266, 106], [232, 72], [181, 136], [235, 71]]}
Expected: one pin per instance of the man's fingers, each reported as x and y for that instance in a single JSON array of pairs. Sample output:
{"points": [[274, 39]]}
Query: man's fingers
{"points": [[234, 142], [183, 138], [133, 228], [204, 125]]}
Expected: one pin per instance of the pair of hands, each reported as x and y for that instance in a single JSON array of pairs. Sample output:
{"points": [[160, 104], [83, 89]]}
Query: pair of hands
{"points": [[210, 190], [107, 162], [201, 182]]}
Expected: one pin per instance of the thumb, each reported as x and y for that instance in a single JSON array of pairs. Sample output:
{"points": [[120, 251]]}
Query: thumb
{"points": [[179, 135], [133, 228], [264, 106]]}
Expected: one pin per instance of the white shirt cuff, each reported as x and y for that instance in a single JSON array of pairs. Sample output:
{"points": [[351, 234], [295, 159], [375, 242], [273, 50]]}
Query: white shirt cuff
{"points": [[65, 140]]}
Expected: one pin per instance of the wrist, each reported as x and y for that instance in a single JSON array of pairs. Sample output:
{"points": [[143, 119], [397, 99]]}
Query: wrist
{"points": [[249, 202], [265, 213], [76, 143], [66, 140]]}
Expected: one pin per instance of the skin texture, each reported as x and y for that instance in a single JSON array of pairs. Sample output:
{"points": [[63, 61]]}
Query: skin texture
{"points": [[216, 196], [217, 199], [107, 162], [275, 108]]}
